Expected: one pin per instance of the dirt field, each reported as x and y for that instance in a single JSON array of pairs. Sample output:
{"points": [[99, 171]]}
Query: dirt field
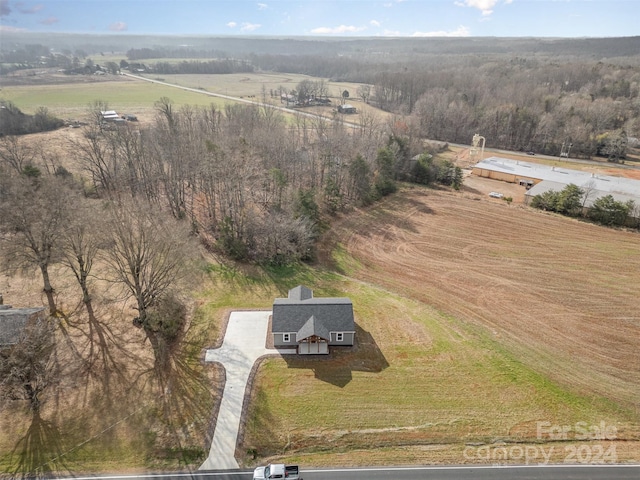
{"points": [[560, 293]]}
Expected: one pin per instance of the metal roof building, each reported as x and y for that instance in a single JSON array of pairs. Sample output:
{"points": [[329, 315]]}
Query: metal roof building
{"points": [[592, 194], [539, 178], [515, 171]]}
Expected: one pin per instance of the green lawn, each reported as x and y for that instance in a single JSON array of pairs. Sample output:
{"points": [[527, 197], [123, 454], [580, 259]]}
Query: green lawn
{"points": [[132, 96]]}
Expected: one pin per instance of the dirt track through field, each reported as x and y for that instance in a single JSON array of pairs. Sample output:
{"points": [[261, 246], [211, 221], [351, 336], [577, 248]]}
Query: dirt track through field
{"points": [[561, 293]]}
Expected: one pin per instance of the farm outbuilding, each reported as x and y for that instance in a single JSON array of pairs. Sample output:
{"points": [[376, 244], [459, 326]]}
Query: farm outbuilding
{"points": [[14, 321], [530, 174], [312, 324], [347, 108], [522, 173], [539, 178]]}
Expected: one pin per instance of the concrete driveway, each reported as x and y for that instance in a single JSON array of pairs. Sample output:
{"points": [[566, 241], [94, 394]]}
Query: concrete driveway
{"points": [[244, 343]]}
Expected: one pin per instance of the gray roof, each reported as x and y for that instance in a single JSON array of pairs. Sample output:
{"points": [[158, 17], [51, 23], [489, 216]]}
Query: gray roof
{"points": [[292, 313], [592, 194], [313, 327], [300, 293], [13, 322], [604, 184]]}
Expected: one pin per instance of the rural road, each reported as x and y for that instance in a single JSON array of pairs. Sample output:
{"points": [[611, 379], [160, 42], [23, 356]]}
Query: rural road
{"points": [[502, 472], [241, 100]]}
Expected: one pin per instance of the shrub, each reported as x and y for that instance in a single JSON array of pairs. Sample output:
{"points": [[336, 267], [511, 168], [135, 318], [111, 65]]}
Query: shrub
{"points": [[608, 211]]}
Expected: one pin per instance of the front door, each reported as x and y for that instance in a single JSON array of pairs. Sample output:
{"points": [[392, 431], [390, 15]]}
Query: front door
{"points": [[313, 347]]}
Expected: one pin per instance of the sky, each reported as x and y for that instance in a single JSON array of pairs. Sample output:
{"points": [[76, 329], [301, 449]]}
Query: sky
{"points": [[337, 18]]}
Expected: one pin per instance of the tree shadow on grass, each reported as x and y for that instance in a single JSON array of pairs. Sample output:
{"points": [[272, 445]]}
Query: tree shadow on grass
{"points": [[38, 454], [337, 368], [185, 402]]}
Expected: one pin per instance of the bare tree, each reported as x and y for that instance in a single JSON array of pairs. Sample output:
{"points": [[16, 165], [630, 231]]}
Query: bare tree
{"points": [[26, 369], [589, 189], [97, 158], [80, 245], [33, 214], [15, 153], [364, 92], [148, 254]]}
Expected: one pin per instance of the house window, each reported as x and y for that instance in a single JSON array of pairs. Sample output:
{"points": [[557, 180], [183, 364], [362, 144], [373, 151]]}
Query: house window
{"points": [[339, 337], [286, 337]]}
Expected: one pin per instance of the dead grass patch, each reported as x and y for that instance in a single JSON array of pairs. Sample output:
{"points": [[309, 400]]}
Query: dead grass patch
{"points": [[557, 291]]}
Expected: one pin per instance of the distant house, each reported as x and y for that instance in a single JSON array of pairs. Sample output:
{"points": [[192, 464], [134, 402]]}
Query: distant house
{"points": [[14, 321], [346, 108], [312, 324]]}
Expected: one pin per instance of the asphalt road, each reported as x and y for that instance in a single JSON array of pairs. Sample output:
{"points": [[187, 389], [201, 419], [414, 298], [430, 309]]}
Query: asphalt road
{"points": [[530, 472]]}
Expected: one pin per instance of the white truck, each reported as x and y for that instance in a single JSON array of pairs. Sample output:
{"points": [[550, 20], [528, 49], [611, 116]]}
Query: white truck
{"points": [[277, 471]]}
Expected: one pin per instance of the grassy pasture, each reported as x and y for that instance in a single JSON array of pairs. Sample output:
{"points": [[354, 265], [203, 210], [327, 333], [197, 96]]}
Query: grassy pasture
{"points": [[73, 99], [138, 96], [244, 84]]}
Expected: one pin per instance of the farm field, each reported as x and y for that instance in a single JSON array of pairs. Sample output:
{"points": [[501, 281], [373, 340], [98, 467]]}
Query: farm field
{"points": [[477, 321], [238, 84], [72, 99], [69, 96], [251, 86], [560, 292]]}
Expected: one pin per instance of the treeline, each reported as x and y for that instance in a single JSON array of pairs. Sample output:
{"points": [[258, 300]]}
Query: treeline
{"points": [[517, 103], [215, 67], [236, 46], [574, 201], [134, 54], [14, 122], [97, 260], [248, 184]]}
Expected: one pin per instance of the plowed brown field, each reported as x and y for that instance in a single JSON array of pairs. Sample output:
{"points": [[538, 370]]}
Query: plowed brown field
{"points": [[560, 293]]}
